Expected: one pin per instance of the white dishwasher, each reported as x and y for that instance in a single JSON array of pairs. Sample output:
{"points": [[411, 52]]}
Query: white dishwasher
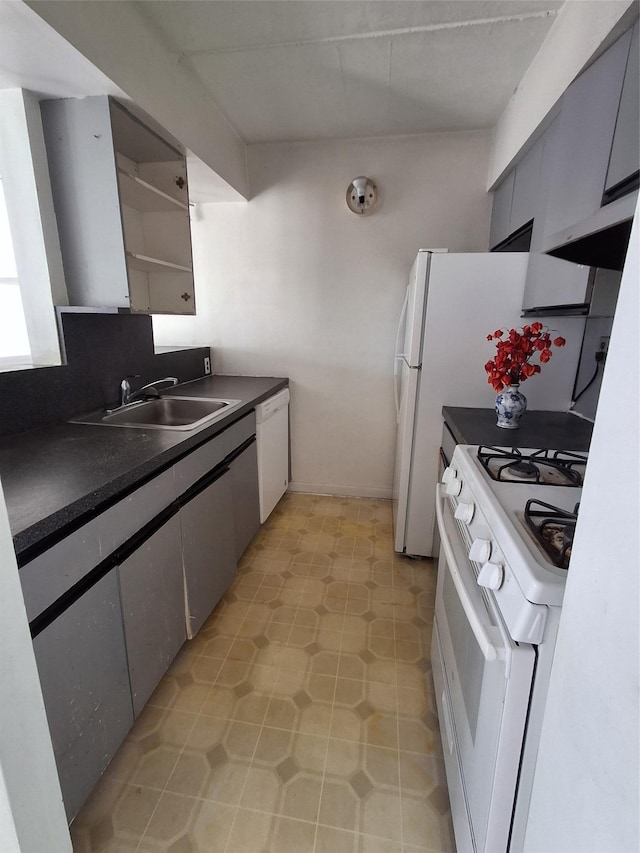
{"points": [[272, 438]]}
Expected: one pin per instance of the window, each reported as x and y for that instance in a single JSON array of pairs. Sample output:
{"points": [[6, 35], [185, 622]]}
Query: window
{"points": [[31, 276], [14, 340]]}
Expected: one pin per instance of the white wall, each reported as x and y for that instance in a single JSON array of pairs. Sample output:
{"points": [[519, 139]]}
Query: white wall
{"points": [[581, 28], [585, 795], [294, 284]]}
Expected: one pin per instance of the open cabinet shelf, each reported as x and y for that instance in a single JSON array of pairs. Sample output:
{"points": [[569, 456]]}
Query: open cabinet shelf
{"points": [[146, 264], [143, 196], [122, 205]]}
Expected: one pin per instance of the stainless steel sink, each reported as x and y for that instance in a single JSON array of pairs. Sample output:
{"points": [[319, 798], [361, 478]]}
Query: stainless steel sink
{"points": [[177, 413]]}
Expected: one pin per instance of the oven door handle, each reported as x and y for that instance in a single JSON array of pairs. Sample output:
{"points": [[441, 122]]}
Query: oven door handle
{"points": [[480, 632]]}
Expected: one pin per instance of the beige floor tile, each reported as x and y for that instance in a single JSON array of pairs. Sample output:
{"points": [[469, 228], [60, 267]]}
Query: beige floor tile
{"points": [[262, 789], [310, 752], [302, 717], [210, 826], [226, 780], [273, 746], [382, 815], [331, 840], [292, 836], [339, 805], [301, 797], [171, 819], [251, 831]]}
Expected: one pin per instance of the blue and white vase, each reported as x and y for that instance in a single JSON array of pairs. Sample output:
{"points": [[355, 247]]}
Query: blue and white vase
{"points": [[510, 406]]}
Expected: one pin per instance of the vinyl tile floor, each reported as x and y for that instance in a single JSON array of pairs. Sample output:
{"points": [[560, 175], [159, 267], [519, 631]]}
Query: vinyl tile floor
{"points": [[301, 719]]}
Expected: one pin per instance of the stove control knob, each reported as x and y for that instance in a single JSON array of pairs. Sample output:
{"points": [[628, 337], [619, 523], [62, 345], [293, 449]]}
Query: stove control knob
{"points": [[480, 550], [491, 575], [464, 512], [454, 487], [449, 474]]}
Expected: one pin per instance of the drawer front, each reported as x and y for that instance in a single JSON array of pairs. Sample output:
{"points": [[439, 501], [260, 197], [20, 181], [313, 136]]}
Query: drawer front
{"points": [[189, 470], [55, 571]]}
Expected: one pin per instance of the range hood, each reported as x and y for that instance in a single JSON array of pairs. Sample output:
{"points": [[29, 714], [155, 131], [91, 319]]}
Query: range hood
{"points": [[600, 240]]}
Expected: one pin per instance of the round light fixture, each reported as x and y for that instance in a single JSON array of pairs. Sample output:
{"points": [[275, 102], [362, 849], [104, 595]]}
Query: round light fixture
{"points": [[362, 196]]}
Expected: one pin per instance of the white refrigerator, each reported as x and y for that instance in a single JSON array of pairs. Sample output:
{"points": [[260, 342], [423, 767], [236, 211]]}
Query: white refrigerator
{"points": [[452, 302]]}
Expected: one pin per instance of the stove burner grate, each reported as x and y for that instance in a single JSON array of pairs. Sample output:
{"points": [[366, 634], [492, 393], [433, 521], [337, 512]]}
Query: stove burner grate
{"points": [[553, 528], [545, 467]]}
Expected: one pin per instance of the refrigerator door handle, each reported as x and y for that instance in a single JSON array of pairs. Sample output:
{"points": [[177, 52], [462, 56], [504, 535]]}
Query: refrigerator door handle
{"points": [[397, 369], [401, 321]]}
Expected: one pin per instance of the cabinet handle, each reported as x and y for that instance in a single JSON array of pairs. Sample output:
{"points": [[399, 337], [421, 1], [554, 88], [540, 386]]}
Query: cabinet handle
{"points": [[180, 182], [186, 296]]}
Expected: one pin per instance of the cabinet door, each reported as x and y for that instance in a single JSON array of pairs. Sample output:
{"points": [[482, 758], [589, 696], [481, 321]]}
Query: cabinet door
{"points": [[208, 549], [501, 211], [246, 501], [585, 135], [152, 591], [526, 188], [625, 151], [82, 664]]}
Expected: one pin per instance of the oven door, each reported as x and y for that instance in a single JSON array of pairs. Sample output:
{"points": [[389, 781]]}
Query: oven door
{"points": [[483, 682]]}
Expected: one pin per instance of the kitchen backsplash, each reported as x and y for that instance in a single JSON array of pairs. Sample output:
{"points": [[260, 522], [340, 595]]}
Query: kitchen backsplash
{"points": [[99, 350], [598, 326]]}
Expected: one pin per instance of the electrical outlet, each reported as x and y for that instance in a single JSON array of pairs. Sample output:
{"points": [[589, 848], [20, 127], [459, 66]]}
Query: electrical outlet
{"points": [[604, 344], [207, 365]]}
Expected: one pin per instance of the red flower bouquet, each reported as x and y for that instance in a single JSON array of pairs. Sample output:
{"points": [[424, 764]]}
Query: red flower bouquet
{"points": [[514, 351]]}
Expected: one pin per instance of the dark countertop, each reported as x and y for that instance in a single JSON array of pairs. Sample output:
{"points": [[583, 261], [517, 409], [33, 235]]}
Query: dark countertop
{"points": [[552, 430], [55, 477]]}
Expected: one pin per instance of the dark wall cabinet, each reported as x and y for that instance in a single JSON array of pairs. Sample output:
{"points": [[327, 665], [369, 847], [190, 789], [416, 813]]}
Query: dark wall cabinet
{"points": [[585, 135], [501, 211], [591, 149], [625, 149]]}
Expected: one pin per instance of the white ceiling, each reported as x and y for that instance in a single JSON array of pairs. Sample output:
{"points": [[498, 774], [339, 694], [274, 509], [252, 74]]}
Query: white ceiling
{"points": [[317, 69]]}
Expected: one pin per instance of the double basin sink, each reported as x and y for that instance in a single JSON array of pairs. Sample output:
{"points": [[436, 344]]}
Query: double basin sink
{"points": [[175, 413]]}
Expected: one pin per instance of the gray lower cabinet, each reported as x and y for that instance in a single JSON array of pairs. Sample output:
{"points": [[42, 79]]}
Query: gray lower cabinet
{"points": [[208, 548], [246, 497], [82, 663], [152, 593]]}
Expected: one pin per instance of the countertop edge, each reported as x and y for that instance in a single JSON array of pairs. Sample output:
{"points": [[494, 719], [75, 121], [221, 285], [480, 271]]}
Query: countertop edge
{"points": [[42, 534]]}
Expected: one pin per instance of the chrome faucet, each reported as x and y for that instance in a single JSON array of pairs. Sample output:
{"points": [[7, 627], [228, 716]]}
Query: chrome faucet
{"points": [[149, 390]]}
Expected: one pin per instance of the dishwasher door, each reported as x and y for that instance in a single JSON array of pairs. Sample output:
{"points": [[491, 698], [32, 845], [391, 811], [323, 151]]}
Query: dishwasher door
{"points": [[272, 437]]}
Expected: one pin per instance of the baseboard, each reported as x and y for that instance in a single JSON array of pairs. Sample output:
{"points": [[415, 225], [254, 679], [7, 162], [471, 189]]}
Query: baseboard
{"points": [[341, 491]]}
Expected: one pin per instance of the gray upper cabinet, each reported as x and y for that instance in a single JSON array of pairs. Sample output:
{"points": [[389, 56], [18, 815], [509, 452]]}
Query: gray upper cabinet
{"points": [[550, 281], [518, 198], [625, 151], [121, 201], [527, 195], [585, 135], [501, 211]]}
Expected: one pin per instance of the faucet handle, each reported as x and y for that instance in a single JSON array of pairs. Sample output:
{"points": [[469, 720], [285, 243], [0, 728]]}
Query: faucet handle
{"points": [[125, 388]]}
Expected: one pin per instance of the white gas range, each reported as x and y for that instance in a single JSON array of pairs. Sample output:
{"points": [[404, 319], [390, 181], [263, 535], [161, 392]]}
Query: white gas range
{"points": [[506, 519]]}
